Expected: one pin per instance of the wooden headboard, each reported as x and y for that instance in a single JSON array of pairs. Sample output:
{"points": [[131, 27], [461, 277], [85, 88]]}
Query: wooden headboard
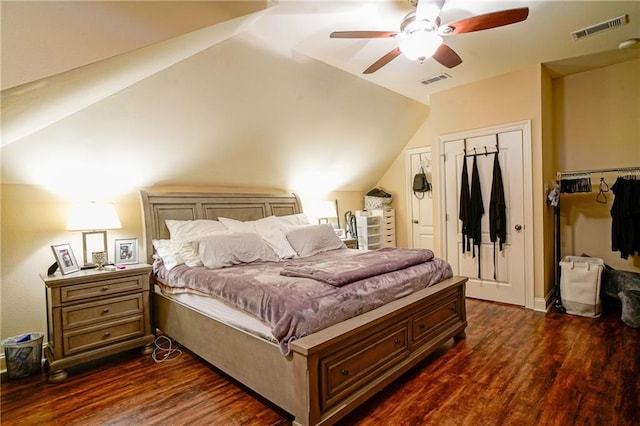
{"points": [[157, 208]]}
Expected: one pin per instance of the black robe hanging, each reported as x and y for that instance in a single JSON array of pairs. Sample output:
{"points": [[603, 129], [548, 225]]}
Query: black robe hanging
{"points": [[497, 211], [477, 211], [465, 206], [625, 215]]}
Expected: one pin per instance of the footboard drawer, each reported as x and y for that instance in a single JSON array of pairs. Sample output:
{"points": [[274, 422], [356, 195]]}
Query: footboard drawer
{"points": [[430, 322], [346, 370]]}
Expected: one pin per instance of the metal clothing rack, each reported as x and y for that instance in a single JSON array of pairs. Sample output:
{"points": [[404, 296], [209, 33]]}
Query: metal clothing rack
{"points": [[556, 211], [561, 175]]}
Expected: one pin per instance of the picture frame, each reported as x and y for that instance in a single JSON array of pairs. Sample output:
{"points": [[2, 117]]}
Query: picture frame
{"points": [[126, 251], [65, 258], [94, 241]]}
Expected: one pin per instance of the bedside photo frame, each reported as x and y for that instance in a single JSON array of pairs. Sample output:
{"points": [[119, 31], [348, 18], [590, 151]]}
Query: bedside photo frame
{"points": [[65, 258], [126, 251]]}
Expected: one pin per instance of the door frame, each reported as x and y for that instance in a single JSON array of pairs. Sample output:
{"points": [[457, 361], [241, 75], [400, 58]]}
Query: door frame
{"points": [[525, 128], [409, 187]]}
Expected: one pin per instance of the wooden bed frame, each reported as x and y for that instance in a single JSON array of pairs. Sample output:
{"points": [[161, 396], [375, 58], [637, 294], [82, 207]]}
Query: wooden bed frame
{"points": [[328, 373]]}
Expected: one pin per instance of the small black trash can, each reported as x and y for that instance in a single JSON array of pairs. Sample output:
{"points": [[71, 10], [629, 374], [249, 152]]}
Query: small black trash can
{"points": [[23, 354]]}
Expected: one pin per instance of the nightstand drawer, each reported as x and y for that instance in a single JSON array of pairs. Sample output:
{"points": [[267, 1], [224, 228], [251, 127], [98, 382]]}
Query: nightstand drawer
{"points": [[114, 286], [104, 310], [94, 337]]}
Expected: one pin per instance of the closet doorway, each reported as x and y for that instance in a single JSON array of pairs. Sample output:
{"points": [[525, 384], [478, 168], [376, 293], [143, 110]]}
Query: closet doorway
{"points": [[513, 266], [420, 205]]}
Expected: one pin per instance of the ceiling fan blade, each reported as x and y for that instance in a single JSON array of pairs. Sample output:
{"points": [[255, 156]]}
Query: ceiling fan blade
{"points": [[486, 21], [363, 34], [429, 9], [447, 56], [382, 61]]}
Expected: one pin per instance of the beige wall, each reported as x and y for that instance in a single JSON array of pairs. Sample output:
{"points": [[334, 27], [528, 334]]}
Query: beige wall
{"points": [[586, 120], [549, 167], [597, 126], [504, 99], [393, 181]]}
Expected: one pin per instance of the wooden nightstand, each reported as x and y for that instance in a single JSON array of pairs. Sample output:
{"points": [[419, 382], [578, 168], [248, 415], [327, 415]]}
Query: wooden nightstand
{"points": [[351, 243], [92, 314]]}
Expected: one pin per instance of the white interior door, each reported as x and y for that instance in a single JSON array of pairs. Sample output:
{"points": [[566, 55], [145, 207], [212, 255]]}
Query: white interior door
{"points": [[510, 284], [421, 209]]}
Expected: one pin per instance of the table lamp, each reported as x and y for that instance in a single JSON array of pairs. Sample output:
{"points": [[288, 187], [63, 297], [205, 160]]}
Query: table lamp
{"points": [[94, 219], [327, 210]]}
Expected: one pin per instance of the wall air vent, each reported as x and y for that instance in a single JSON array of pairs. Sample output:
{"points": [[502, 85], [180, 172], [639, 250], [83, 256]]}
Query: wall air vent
{"points": [[603, 26], [435, 79]]}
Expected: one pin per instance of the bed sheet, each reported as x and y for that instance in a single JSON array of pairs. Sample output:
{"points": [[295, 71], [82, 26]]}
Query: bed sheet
{"points": [[220, 311]]}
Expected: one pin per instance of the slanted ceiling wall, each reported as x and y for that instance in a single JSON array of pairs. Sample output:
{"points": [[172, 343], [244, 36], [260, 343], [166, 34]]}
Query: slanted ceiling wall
{"points": [[231, 114]]}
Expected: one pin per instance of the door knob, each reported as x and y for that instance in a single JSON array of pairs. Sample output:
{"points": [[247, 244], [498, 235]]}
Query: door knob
{"points": [[518, 227], [414, 221]]}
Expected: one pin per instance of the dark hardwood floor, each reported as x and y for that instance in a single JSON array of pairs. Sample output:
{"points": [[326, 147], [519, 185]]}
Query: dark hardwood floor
{"points": [[516, 367]]}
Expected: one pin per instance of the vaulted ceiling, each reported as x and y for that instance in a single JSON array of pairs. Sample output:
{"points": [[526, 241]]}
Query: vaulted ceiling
{"points": [[249, 93]]}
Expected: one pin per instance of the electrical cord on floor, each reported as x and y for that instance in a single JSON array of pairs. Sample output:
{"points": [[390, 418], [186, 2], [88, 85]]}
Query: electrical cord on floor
{"points": [[164, 350]]}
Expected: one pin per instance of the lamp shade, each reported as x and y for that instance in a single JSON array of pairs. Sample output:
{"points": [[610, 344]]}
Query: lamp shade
{"points": [[326, 209], [94, 216], [420, 45]]}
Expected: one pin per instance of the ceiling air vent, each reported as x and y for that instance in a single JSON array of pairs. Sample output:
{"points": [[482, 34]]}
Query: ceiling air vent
{"points": [[436, 78], [603, 26]]}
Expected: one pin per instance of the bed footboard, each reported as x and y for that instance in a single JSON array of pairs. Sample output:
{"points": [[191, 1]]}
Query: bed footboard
{"points": [[344, 365], [331, 372]]}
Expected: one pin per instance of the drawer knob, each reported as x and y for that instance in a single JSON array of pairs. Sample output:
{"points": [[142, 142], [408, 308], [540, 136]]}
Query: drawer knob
{"points": [[452, 309], [105, 288], [397, 341], [421, 326], [105, 310], [345, 372], [107, 334]]}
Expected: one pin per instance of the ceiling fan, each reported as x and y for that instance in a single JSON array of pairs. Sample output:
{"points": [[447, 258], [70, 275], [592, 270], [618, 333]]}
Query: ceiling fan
{"points": [[421, 34]]}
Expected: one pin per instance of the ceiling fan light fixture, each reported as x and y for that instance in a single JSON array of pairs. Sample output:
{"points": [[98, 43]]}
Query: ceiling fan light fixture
{"points": [[420, 45]]}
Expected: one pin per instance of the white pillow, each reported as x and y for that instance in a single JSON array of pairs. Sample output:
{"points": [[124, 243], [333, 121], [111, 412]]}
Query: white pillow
{"points": [[184, 232], [313, 239], [231, 248], [294, 219], [234, 225], [164, 249], [269, 228]]}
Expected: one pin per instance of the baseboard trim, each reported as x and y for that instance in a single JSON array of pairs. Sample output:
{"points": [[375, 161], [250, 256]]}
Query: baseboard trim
{"points": [[544, 304]]}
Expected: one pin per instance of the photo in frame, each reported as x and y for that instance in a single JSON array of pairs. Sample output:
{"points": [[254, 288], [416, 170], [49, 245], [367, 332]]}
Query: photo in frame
{"points": [[65, 258], [126, 251]]}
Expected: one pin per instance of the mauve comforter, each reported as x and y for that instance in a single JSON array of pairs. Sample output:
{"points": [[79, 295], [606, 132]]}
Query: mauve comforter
{"points": [[348, 269], [295, 307]]}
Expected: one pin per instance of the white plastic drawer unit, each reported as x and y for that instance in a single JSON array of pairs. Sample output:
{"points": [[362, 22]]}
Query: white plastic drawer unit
{"points": [[376, 228], [387, 225], [363, 219], [367, 231], [370, 240]]}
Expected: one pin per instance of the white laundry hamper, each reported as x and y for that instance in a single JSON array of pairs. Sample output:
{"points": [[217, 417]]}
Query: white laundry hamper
{"points": [[580, 285]]}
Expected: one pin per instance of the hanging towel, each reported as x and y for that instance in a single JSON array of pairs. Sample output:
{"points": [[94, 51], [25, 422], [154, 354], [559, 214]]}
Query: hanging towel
{"points": [[465, 206], [477, 211], [497, 211]]}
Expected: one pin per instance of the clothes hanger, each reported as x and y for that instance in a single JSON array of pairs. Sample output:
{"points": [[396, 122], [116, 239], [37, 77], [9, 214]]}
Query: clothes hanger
{"points": [[603, 189]]}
